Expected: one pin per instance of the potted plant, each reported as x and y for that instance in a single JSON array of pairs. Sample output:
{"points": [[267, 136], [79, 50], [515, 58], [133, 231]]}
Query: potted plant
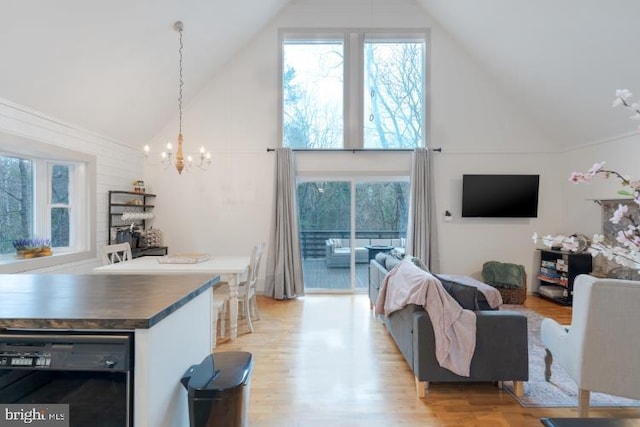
{"points": [[32, 248]]}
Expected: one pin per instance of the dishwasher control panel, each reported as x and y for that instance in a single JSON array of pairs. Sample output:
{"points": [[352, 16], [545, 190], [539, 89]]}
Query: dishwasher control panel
{"points": [[66, 352], [12, 359]]}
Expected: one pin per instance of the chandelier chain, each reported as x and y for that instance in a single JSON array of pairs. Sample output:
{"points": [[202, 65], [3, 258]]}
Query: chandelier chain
{"points": [[181, 82]]}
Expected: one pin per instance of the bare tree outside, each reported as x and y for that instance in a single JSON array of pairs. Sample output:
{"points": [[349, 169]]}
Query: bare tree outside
{"points": [[312, 96], [394, 95], [16, 201]]}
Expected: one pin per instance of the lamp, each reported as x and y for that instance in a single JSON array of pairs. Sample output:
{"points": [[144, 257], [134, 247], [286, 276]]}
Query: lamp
{"points": [[168, 156]]}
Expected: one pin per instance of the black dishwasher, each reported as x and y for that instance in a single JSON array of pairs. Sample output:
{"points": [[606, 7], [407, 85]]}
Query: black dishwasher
{"points": [[91, 372]]}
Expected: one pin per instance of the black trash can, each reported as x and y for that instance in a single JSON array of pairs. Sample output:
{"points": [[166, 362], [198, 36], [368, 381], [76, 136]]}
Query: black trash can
{"points": [[218, 390]]}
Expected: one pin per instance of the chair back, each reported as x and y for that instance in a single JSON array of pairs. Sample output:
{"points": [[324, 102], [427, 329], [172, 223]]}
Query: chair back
{"points": [[604, 316], [254, 266], [119, 252]]}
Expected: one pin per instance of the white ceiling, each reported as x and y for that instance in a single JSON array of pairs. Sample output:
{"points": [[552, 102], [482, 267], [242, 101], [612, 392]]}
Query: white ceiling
{"points": [[562, 60], [111, 66]]}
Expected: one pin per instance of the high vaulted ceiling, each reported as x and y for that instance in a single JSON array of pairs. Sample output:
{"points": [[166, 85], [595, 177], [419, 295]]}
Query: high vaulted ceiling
{"points": [[111, 66]]}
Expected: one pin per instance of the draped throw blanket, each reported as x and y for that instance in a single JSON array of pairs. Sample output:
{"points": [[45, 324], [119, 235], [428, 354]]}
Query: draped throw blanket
{"points": [[454, 327]]}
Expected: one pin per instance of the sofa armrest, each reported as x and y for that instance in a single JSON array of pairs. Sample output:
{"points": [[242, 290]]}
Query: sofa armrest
{"points": [[501, 352]]}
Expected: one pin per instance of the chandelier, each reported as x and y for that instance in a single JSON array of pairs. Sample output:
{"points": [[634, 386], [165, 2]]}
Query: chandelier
{"points": [[177, 159]]}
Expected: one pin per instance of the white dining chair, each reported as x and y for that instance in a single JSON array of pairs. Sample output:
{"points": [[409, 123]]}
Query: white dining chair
{"points": [[247, 288], [118, 252], [221, 297]]}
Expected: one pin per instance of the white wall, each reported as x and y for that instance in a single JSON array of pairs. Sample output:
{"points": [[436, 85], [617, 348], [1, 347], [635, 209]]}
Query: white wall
{"points": [[227, 209], [117, 165]]}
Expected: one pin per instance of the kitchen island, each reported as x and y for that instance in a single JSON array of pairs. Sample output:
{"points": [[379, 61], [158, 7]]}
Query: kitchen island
{"points": [[170, 318]]}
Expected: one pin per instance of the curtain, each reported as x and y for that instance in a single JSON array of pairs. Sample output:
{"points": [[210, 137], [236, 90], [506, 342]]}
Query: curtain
{"points": [[422, 216], [284, 265]]}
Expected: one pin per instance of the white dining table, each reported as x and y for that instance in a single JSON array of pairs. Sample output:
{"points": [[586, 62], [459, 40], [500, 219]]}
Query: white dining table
{"points": [[231, 269]]}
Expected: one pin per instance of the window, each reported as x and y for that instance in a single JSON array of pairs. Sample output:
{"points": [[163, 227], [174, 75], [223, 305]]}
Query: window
{"points": [[45, 192], [353, 90], [28, 212]]}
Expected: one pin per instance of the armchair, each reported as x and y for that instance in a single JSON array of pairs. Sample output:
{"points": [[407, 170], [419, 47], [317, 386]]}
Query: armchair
{"points": [[599, 350]]}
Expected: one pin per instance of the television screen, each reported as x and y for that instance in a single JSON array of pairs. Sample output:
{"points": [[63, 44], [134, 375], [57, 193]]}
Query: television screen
{"points": [[500, 196]]}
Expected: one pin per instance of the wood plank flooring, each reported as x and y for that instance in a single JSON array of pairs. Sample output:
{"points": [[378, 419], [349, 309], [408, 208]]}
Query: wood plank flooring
{"points": [[324, 360]]}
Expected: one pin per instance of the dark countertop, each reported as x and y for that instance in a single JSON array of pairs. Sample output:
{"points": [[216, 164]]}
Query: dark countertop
{"points": [[94, 301]]}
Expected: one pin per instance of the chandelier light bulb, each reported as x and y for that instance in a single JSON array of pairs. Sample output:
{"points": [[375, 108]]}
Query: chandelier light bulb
{"points": [[146, 150], [169, 147]]}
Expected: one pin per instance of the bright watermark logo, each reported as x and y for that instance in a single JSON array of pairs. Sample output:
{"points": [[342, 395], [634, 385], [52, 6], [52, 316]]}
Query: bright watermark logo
{"points": [[40, 415]]}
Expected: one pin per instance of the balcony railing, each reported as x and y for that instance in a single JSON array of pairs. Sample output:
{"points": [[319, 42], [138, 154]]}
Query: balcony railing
{"points": [[312, 242]]}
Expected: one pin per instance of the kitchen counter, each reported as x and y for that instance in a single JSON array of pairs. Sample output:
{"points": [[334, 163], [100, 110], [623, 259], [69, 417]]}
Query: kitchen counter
{"points": [[170, 316], [40, 301]]}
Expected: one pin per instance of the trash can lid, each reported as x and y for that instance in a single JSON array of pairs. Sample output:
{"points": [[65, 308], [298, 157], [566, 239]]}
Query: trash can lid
{"points": [[232, 370]]}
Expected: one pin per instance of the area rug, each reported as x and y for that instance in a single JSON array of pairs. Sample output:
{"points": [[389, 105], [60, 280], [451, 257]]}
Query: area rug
{"points": [[561, 391]]}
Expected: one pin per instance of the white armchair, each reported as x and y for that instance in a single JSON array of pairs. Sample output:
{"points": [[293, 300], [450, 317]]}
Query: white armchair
{"points": [[600, 349]]}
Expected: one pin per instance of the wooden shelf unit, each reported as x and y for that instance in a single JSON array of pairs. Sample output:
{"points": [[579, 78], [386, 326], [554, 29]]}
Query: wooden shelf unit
{"points": [[131, 201], [559, 269]]}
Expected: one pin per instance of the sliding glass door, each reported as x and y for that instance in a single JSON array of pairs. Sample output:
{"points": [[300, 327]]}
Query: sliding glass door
{"points": [[344, 223]]}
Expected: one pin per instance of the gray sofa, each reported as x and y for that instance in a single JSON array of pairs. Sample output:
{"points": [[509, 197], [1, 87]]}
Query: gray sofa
{"points": [[501, 352]]}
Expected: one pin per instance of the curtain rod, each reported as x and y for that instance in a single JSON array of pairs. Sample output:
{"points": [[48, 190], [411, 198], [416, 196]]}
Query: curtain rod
{"points": [[353, 150]]}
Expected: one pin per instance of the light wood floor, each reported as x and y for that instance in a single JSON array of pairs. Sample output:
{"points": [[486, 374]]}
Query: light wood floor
{"points": [[324, 360]]}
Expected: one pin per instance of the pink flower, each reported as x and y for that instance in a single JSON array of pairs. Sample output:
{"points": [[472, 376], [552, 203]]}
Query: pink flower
{"points": [[596, 168], [619, 214], [579, 177]]}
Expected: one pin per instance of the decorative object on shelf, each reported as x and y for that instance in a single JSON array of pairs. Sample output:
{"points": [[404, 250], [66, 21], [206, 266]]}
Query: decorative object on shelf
{"points": [[626, 250], [32, 248], [138, 186], [136, 216], [168, 157], [154, 237]]}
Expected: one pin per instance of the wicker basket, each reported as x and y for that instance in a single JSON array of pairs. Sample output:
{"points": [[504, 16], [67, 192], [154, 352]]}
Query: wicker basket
{"points": [[513, 295]]}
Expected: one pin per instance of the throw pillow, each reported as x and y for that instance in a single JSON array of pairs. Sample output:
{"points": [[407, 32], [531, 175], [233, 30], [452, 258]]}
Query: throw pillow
{"points": [[464, 294], [390, 262], [337, 243], [381, 258]]}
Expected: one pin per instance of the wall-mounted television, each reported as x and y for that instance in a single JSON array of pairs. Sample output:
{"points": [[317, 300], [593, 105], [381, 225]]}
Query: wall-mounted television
{"points": [[500, 196]]}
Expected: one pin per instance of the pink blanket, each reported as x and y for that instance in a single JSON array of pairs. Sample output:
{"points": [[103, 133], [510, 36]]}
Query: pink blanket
{"points": [[454, 327]]}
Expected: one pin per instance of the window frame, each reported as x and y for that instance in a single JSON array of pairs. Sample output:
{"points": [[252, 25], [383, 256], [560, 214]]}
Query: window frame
{"points": [[82, 244], [353, 88]]}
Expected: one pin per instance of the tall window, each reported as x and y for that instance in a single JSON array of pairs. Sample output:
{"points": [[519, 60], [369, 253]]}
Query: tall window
{"points": [[353, 90]]}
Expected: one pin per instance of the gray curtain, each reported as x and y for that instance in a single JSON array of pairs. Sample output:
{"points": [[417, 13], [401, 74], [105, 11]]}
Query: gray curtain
{"points": [[422, 216], [284, 266]]}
